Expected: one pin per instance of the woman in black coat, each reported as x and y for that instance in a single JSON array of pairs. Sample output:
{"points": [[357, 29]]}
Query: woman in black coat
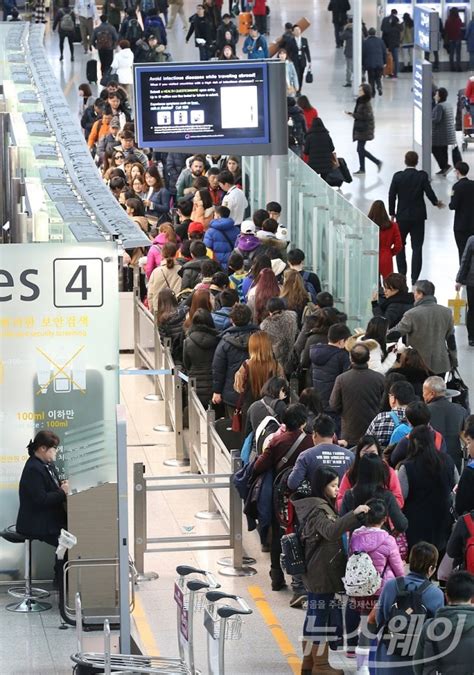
{"points": [[198, 353], [364, 127], [319, 148], [42, 494], [427, 478], [170, 319], [396, 299]]}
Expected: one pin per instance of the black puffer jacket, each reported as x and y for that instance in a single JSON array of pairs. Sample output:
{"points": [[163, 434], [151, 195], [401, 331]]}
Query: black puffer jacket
{"points": [[231, 352], [327, 362], [319, 148], [364, 122], [191, 271], [198, 353], [393, 308], [172, 328]]}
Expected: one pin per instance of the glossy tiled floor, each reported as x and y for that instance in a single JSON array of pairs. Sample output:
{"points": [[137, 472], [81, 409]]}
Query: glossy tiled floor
{"points": [[41, 647]]}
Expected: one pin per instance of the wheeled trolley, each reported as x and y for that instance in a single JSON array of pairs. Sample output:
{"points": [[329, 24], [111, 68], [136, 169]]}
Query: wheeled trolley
{"points": [[189, 593], [222, 622]]}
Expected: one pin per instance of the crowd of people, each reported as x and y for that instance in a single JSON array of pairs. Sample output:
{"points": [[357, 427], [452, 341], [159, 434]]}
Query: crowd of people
{"points": [[352, 441]]}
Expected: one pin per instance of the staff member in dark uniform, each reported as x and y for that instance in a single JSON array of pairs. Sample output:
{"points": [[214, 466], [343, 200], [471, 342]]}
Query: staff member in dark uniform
{"points": [[43, 495]]}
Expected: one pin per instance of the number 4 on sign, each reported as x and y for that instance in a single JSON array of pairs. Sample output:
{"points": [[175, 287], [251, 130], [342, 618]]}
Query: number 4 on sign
{"points": [[80, 276], [78, 282]]}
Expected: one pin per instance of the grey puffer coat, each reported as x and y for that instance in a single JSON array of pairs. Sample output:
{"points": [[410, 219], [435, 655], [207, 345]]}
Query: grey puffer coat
{"points": [[364, 122], [443, 130], [282, 327]]}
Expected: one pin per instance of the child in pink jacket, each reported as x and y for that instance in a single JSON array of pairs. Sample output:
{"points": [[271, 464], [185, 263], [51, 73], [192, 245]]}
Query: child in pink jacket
{"points": [[383, 551]]}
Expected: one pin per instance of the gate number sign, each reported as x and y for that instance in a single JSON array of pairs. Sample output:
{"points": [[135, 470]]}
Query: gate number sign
{"points": [[78, 282]]}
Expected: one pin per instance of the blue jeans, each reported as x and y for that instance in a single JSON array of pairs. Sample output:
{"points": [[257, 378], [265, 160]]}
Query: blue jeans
{"points": [[454, 50], [394, 52], [363, 153], [323, 621], [471, 60]]}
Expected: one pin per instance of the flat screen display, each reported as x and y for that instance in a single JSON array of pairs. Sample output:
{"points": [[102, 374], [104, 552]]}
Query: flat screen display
{"points": [[202, 104]]}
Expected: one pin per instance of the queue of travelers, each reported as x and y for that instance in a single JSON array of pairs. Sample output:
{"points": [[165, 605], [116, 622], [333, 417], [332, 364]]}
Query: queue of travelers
{"points": [[357, 438]]}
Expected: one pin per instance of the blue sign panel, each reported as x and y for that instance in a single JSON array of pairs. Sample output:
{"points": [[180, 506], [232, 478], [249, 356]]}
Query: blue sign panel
{"points": [[426, 30]]}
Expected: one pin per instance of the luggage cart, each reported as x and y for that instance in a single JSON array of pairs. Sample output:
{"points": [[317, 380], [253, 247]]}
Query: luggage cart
{"points": [[222, 622], [189, 594], [467, 129]]}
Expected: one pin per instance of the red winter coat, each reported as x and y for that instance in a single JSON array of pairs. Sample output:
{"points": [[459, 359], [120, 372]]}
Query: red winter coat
{"points": [[390, 243], [453, 28], [259, 8]]}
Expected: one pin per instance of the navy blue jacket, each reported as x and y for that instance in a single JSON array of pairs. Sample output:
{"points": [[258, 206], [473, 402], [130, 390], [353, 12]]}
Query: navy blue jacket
{"points": [[231, 352], [327, 362], [374, 53]]}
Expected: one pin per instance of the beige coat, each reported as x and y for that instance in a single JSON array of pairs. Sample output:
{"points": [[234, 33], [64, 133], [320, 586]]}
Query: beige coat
{"points": [[160, 278]]}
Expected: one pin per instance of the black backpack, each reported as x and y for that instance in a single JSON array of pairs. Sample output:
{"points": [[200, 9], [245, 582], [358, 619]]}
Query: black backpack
{"points": [[406, 619]]}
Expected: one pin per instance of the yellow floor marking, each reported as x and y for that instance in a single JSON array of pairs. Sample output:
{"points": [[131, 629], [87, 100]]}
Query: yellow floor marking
{"points": [[144, 629], [279, 635]]}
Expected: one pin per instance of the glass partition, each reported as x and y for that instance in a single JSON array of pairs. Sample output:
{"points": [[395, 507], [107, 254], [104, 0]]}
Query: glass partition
{"points": [[340, 243]]}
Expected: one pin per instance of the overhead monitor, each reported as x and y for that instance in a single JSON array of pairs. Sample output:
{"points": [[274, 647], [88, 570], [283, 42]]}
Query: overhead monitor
{"points": [[216, 107]]}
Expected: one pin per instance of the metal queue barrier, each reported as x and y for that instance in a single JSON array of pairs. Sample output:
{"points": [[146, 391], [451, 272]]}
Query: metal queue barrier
{"points": [[230, 509], [212, 464]]}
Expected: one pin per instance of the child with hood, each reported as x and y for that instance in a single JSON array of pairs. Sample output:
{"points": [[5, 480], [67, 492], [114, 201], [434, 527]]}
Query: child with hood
{"points": [[247, 243], [383, 550]]}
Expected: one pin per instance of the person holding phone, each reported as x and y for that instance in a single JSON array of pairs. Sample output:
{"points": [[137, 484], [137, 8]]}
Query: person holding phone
{"points": [[364, 127], [43, 494]]}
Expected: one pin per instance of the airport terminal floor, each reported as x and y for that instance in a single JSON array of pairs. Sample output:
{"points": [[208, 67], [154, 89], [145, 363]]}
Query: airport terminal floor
{"points": [[271, 635]]}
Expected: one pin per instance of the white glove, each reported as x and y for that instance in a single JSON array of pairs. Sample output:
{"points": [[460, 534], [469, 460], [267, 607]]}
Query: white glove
{"points": [[200, 41]]}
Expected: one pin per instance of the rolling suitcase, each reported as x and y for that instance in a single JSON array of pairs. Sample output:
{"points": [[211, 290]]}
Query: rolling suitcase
{"points": [[245, 21], [388, 68], [91, 71]]}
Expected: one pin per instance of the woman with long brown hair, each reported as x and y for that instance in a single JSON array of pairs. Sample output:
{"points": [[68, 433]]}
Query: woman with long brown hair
{"points": [[256, 370], [390, 240], [169, 319], [201, 300], [266, 287], [158, 199], [413, 367], [164, 276], [294, 293]]}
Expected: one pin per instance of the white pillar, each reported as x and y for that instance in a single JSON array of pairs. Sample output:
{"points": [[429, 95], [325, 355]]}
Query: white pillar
{"points": [[356, 46]]}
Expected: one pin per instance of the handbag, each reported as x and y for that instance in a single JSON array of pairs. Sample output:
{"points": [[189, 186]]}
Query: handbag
{"points": [[335, 178], [236, 422], [309, 77], [456, 382]]}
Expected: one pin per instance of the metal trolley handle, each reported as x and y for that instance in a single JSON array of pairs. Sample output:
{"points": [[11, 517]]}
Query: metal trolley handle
{"points": [[226, 611], [195, 584], [186, 570]]}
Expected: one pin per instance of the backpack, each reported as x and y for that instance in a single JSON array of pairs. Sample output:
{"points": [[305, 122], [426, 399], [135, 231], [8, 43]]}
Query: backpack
{"points": [[309, 287], [267, 427], [406, 618], [281, 497], [469, 550], [292, 554], [400, 429], [104, 39], [361, 578], [238, 283], [66, 23], [134, 31]]}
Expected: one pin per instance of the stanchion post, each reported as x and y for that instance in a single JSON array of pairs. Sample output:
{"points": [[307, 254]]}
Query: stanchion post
{"points": [[156, 396], [140, 523], [236, 565], [212, 512], [136, 317], [178, 417], [194, 435]]}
